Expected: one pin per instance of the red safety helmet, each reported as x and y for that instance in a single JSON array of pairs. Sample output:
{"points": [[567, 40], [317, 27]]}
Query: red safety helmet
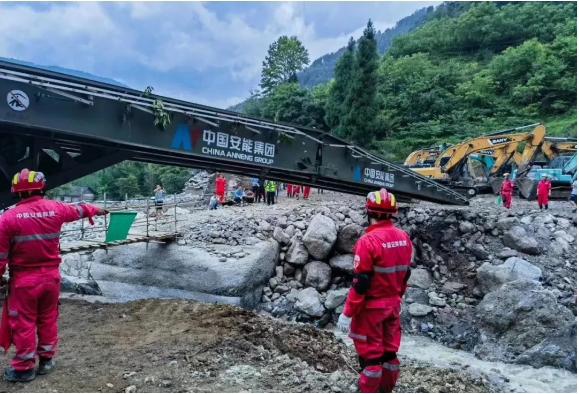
{"points": [[381, 201], [27, 181]]}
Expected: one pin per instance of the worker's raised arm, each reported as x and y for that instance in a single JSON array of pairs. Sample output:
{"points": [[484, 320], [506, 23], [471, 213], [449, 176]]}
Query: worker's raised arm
{"points": [[79, 210]]}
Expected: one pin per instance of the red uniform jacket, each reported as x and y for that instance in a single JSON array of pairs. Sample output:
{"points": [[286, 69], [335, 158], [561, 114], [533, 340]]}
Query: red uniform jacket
{"points": [[29, 239], [507, 187], [386, 251], [544, 187], [30, 232], [220, 185]]}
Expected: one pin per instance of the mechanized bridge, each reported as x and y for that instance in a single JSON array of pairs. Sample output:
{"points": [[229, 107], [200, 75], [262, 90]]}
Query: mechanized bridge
{"points": [[69, 127]]}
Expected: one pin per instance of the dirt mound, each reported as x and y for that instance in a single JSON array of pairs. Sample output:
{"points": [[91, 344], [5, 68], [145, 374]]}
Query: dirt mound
{"points": [[176, 346]]}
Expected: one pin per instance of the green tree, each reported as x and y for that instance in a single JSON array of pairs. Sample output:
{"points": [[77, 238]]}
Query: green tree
{"points": [[54, 193], [285, 57], [291, 104], [336, 105], [359, 123]]}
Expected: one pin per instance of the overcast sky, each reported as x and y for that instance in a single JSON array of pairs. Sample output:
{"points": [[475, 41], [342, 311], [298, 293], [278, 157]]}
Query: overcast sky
{"points": [[205, 52]]}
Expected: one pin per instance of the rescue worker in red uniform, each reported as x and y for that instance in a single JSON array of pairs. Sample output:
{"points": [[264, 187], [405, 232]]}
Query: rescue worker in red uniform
{"points": [[507, 189], [220, 187], [297, 190], [543, 192], [372, 312], [290, 190], [29, 246], [306, 192]]}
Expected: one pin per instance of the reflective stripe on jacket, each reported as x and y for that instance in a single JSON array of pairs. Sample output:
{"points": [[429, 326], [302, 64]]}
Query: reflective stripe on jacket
{"points": [[30, 232], [384, 252]]}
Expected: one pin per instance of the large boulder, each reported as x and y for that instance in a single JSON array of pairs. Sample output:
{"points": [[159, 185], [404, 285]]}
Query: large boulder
{"points": [[320, 236], [491, 277], [523, 322], [335, 298], [69, 284], [318, 275], [420, 278], [518, 239], [343, 262], [347, 237], [309, 302], [192, 269], [297, 253]]}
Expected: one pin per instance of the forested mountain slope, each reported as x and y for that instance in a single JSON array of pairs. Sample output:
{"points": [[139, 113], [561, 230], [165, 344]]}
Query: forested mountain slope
{"points": [[471, 69], [322, 69]]}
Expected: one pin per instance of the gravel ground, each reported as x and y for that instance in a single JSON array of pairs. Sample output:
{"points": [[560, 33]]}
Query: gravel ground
{"points": [[185, 346]]}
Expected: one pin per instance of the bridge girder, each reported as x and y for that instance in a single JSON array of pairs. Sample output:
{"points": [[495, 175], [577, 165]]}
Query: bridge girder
{"points": [[105, 124]]}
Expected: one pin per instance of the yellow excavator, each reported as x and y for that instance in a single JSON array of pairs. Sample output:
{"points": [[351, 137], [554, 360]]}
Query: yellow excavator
{"points": [[424, 157], [418, 157], [558, 152], [449, 167], [495, 161]]}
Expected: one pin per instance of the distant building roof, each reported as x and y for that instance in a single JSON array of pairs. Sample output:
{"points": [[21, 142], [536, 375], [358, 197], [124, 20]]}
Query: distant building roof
{"points": [[76, 191]]}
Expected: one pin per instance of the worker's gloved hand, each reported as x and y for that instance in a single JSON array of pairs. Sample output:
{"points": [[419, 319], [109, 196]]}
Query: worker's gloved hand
{"points": [[344, 323], [102, 212]]}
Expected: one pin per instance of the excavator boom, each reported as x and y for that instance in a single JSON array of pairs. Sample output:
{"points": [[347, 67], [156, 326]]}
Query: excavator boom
{"points": [[455, 155], [554, 150]]}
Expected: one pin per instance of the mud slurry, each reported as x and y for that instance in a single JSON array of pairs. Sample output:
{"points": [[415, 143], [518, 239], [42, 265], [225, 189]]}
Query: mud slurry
{"points": [[186, 346]]}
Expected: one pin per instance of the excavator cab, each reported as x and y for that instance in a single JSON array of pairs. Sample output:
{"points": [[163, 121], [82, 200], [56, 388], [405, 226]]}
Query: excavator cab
{"points": [[560, 167]]}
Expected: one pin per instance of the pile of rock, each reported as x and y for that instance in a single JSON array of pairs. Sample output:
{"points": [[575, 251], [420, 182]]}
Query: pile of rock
{"points": [[460, 259]]}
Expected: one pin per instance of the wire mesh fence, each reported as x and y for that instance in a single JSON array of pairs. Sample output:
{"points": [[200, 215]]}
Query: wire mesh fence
{"points": [[151, 221]]}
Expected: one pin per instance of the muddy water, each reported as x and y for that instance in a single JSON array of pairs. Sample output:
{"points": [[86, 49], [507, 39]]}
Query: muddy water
{"points": [[116, 292], [513, 377]]}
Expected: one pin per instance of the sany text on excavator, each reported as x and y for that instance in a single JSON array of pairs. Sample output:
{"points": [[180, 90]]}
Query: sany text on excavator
{"points": [[449, 167]]}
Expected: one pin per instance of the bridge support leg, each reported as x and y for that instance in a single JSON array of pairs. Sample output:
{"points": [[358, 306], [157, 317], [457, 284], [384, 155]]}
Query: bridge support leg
{"points": [[60, 161]]}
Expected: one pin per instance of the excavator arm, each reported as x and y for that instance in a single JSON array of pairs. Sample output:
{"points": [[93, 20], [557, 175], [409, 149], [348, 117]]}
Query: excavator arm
{"points": [[455, 155], [418, 156], [550, 147], [553, 147], [503, 156]]}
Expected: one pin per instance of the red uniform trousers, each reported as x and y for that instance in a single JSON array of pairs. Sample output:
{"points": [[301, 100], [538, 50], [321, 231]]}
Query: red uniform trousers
{"points": [[306, 191], [507, 199], [376, 333], [33, 310], [220, 195], [543, 199], [297, 190]]}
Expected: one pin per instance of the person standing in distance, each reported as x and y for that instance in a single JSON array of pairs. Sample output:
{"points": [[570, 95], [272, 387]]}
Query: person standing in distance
{"points": [[543, 192], [29, 246], [220, 184], [507, 189], [372, 312], [159, 199]]}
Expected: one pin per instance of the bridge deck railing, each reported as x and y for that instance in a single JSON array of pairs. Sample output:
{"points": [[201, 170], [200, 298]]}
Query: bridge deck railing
{"points": [[145, 205]]}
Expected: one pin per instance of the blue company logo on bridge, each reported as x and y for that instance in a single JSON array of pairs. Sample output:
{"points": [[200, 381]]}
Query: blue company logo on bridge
{"points": [[221, 144], [374, 177], [379, 178]]}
